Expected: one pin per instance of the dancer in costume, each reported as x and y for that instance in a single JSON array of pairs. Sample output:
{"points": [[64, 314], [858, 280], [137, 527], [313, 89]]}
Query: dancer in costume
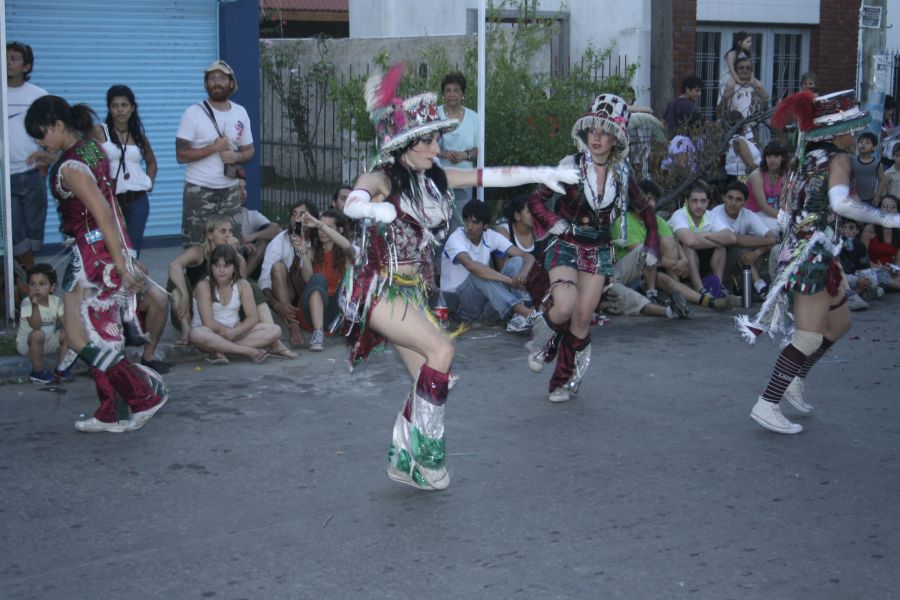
{"points": [[579, 254], [409, 196], [810, 283], [101, 279]]}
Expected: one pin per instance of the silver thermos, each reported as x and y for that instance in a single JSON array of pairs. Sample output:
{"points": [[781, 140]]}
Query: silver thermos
{"points": [[747, 288]]}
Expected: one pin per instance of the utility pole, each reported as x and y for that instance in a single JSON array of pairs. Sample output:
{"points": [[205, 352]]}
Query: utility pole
{"points": [[875, 69]]}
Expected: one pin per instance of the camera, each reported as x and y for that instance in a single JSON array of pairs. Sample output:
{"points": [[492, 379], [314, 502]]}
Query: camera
{"points": [[298, 228]]}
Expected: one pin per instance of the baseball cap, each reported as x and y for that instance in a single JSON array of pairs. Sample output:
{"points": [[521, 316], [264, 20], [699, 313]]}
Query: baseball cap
{"points": [[221, 65]]}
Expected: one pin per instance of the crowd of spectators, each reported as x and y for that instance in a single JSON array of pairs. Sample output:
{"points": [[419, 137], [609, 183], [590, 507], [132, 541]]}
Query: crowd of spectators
{"points": [[241, 276]]}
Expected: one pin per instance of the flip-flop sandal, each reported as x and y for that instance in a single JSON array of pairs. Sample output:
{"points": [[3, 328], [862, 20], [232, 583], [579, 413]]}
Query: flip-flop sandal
{"points": [[217, 360], [284, 353], [260, 357]]}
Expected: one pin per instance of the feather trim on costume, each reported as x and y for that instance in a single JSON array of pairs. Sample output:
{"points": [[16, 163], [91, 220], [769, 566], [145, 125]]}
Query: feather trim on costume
{"points": [[381, 87], [774, 315], [795, 108]]}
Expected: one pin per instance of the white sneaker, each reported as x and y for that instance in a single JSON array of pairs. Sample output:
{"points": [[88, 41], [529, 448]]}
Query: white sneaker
{"points": [[854, 303], [768, 414], [794, 395], [317, 341], [436, 479], [139, 419], [92, 425], [517, 324], [560, 394]]}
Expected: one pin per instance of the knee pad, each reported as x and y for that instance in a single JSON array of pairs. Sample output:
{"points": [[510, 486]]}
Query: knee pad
{"points": [[807, 342]]}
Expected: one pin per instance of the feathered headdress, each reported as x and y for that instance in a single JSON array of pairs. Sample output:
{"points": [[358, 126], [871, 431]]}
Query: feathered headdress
{"points": [[821, 118], [399, 122]]}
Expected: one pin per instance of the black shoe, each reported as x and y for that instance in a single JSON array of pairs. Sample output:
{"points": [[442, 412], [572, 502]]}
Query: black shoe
{"points": [[157, 365], [134, 336]]}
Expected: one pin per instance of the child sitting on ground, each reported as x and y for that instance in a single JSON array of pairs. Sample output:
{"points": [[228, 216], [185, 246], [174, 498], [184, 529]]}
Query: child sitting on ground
{"points": [[40, 332], [217, 326]]}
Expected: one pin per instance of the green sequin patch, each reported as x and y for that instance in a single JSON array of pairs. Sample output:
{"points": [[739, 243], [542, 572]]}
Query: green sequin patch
{"points": [[90, 153], [428, 452]]}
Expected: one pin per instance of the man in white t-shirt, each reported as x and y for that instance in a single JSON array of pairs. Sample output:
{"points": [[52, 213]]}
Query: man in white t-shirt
{"points": [[705, 239], [483, 292], [257, 230], [27, 161], [753, 238], [213, 139]]}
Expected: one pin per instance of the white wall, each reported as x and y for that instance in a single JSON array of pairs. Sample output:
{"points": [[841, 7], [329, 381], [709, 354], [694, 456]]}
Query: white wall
{"points": [[893, 23], [592, 22], [760, 11]]}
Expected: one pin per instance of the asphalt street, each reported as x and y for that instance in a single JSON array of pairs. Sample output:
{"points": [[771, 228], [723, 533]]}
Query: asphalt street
{"points": [[268, 482]]}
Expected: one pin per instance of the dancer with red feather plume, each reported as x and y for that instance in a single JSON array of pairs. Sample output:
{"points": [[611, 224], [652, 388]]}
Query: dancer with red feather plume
{"points": [[807, 301], [408, 200]]}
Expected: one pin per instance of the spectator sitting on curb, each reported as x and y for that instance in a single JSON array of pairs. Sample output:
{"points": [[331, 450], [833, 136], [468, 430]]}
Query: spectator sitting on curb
{"points": [[705, 239], [628, 269], [854, 259], [257, 230], [753, 238], [219, 299], [193, 264], [323, 262], [280, 278], [483, 292], [516, 226], [40, 332], [153, 304]]}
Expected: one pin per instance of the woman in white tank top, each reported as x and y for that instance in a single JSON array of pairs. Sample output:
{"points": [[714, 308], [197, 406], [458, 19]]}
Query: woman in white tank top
{"points": [[123, 139], [217, 326]]}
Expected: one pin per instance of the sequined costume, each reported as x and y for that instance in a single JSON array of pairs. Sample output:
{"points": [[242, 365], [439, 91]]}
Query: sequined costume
{"points": [[396, 262], [91, 267], [808, 261], [585, 245]]}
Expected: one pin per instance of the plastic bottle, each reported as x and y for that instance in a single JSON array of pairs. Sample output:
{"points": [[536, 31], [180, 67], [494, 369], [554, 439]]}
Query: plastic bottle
{"points": [[747, 289], [441, 312]]}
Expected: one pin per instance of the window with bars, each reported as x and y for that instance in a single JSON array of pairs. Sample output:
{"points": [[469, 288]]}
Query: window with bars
{"points": [[780, 56], [786, 64], [707, 65]]}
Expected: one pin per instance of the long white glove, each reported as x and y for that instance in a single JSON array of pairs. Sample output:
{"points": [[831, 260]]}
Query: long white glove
{"points": [[513, 176], [359, 206], [847, 206]]}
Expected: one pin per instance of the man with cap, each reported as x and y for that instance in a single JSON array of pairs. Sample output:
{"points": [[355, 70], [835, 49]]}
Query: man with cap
{"points": [[213, 140]]}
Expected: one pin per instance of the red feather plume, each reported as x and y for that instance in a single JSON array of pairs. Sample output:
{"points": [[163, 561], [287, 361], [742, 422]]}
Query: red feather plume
{"points": [[796, 107]]}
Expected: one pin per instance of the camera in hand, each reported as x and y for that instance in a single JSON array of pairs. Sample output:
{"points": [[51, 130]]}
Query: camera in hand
{"points": [[298, 228]]}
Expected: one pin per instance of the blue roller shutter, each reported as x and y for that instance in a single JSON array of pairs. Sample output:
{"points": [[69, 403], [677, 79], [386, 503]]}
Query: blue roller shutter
{"points": [[158, 48]]}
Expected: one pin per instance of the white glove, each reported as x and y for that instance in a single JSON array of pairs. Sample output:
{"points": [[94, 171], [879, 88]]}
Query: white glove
{"points": [[847, 206], [359, 206], [559, 227], [513, 176]]}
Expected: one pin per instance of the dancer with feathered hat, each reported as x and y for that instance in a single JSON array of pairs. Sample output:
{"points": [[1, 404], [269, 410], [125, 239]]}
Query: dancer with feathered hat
{"points": [[807, 301], [408, 197]]}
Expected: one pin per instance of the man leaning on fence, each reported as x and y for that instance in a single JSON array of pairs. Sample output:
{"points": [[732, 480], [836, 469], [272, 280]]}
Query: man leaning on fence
{"points": [[213, 139]]}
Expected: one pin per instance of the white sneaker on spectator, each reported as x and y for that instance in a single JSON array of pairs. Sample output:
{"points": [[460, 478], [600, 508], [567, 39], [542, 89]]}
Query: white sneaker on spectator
{"points": [[517, 324], [854, 302], [317, 341], [794, 395], [768, 414]]}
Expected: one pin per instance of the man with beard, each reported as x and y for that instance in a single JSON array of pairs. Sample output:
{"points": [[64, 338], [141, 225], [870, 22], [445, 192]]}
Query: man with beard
{"points": [[213, 139]]}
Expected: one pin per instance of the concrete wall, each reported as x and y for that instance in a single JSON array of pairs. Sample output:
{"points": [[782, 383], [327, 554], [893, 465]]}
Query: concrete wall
{"points": [[626, 22], [783, 12]]}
